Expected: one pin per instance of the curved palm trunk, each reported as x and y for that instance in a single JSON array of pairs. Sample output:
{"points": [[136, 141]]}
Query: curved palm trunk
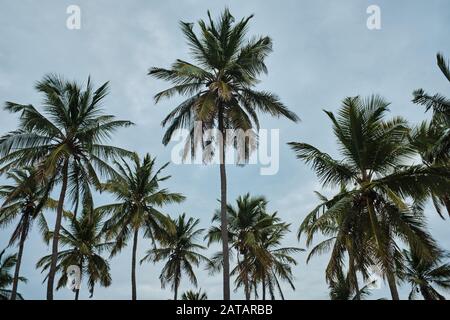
{"points": [[59, 213], [389, 273], [223, 213], [392, 285], [133, 265], [352, 272], [23, 237], [428, 293]]}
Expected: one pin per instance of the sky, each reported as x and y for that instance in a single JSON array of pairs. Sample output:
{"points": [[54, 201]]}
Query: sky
{"points": [[323, 52]]}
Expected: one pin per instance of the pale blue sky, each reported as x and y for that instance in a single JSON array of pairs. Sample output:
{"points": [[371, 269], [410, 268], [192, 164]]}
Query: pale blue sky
{"points": [[323, 52]]}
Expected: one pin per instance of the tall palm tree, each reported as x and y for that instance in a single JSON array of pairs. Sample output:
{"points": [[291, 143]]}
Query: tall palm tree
{"points": [[440, 106], [138, 194], [197, 295], [24, 200], [374, 167], [424, 275], [432, 139], [85, 240], [219, 87], [6, 279], [178, 247], [64, 143]]}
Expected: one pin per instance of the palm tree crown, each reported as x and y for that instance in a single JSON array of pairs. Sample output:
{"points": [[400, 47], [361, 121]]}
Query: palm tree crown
{"points": [[345, 233], [440, 106], [197, 295], [219, 85], [281, 260], [341, 288], [424, 275], [432, 139], [178, 247], [254, 238], [83, 242], [67, 137], [6, 279]]}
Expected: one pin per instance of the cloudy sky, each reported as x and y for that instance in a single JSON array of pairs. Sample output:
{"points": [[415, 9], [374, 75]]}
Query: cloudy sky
{"points": [[323, 52]]}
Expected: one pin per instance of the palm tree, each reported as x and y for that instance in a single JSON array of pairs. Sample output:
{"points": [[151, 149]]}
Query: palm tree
{"points": [[375, 153], [345, 233], [423, 275], [245, 222], [85, 241], [440, 106], [138, 194], [281, 260], [424, 138], [26, 200], [254, 238], [219, 87], [197, 295], [178, 247], [432, 139], [65, 144], [6, 279]]}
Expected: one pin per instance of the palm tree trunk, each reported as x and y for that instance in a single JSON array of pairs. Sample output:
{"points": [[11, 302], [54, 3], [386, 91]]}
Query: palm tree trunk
{"points": [[264, 288], [428, 293], [244, 274], [177, 279], [77, 290], [352, 271], [77, 294], [223, 212], [175, 295], [247, 289], [425, 294], [59, 213], [392, 285], [23, 236], [133, 265], [389, 273]]}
